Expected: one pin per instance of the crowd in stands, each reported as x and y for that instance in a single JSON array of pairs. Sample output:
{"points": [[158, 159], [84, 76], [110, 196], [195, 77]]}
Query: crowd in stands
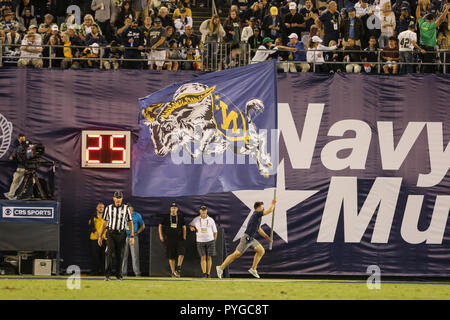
{"points": [[387, 36]]}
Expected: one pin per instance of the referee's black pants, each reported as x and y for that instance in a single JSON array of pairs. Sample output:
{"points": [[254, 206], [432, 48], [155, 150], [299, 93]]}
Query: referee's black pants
{"points": [[115, 245]]}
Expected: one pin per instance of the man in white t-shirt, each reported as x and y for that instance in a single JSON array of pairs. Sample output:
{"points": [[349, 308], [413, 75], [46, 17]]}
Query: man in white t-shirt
{"points": [[206, 232], [407, 42]]}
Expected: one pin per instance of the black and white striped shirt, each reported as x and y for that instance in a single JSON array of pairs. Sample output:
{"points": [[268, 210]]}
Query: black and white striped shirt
{"points": [[117, 217]]}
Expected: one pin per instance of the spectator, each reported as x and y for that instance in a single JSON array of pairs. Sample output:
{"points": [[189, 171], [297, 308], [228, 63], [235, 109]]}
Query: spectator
{"points": [[254, 12], [423, 6], [133, 41], [189, 42], [171, 35], [138, 227], [371, 56], [12, 41], [69, 21], [124, 13], [309, 14], [334, 56], [54, 32], [86, 26], [212, 30], [232, 27], [166, 19], [265, 9], [329, 20], [29, 53], [315, 56], [140, 9], [22, 7], [243, 6], [12, 45], [299, 56], [182, 21], [26, 20], [272, 24], [352, 28], [98, 252], [104, 15], [362, 8], [294, 21], [156, 44], [281, 56], [189, 35], [46, 26], [391, 56], [69, 53], [408, 41], [7, 5], [177, 11], [353, 57], [255, 41], [371, 28], [145, 28], [112, 55], [173, 53], [428, 29], [247, 31], [91, 55], [95, 37], [53, 52], [266, 49], [7, 23], [443, 42], [404, 20], [388, 23], [75, 41]]}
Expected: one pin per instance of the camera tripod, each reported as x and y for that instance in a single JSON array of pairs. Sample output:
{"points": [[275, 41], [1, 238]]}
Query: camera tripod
{"points": [[26, 189]]}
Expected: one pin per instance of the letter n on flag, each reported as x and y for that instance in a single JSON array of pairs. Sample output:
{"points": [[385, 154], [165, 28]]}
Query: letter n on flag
{"points": [[217, 133]]}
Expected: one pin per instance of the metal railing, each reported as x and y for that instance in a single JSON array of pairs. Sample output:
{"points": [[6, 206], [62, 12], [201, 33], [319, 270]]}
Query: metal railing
{"points": [[210, 56]]}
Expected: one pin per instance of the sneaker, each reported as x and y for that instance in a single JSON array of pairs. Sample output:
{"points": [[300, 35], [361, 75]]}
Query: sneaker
{"points": [[120, 278], [178, 271], [253, 272], [204, 275], [219, 272], [107, 279], [208, 275]]}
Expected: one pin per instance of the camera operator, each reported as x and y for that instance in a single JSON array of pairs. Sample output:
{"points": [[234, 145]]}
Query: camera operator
{"points": [[19, 147]]}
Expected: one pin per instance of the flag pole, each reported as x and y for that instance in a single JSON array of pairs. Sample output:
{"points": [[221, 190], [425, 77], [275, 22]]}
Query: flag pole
{"points": [[273, 220]]}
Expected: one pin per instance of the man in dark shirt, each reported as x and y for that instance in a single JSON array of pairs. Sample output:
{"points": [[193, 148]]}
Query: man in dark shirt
{"points": [[404, 20], [133, 40], [172, 233], [293, 21], [248, 240], [309, 14], [371, 56], [352, 56], [329, 21], [352, 27]]}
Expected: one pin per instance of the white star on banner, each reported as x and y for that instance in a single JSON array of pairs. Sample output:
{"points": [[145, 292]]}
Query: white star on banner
{"points": [[286, 199]]}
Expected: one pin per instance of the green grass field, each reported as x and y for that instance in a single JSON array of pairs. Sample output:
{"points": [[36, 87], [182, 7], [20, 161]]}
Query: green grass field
{"points": [[30, 288]]}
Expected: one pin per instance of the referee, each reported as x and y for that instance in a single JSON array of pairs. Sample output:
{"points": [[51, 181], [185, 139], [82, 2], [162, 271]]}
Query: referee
{"points": [[116, 216]]}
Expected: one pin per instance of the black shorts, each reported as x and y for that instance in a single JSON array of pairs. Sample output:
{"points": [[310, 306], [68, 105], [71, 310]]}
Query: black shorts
{"points": [[175, 248]]}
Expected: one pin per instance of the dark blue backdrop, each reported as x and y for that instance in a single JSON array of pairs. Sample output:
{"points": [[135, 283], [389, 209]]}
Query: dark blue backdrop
{"points": [[53, 106]]}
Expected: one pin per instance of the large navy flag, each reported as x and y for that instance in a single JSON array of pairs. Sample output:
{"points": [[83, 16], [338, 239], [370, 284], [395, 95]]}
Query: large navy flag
{"points": [[216, 133]]}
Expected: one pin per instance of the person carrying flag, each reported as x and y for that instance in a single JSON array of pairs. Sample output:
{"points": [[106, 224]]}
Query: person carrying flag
{"points": [[248, 240]]}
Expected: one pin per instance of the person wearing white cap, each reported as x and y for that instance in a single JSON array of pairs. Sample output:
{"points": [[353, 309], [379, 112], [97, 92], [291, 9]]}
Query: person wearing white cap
{"points": [[314, 54], [294, 21], [298, 57]]}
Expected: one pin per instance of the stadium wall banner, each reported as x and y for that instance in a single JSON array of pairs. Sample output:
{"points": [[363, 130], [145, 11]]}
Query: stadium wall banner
{"points": [[26, 212], [362, 176]]}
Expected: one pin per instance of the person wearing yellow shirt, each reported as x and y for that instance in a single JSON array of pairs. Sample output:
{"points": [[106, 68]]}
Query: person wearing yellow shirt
{"points": [[98, 252], [177, 13]]}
